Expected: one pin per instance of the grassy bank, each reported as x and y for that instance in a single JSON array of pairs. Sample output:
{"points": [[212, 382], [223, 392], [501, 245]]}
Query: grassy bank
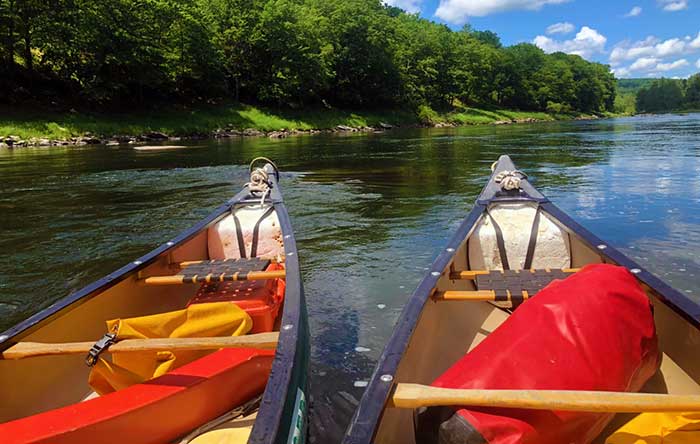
{"points": [[29, 125]]}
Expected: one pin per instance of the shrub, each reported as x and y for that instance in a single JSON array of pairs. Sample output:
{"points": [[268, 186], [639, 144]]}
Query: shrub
{"points": [[427, 115]]}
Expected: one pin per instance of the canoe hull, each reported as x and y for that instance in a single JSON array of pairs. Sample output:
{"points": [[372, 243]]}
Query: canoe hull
{"points": [[423, 344], [37, 385]]}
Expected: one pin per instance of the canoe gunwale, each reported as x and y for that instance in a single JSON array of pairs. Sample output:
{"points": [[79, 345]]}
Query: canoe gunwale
{"points": [[364, 423], [677, 301], [290, 365], [24, 328]]}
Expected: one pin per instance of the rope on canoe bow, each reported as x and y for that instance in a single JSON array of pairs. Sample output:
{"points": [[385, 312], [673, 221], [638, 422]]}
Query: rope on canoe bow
{"points": [[510, 180], [259, 183], [500, 241], [260, 179]]}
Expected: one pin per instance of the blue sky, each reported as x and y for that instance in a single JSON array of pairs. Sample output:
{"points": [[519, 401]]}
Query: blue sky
{"points": [[645, 38]]}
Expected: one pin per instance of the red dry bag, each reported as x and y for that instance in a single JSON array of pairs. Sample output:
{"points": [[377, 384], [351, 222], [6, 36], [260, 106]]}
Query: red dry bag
{"points": [[591, 331]]}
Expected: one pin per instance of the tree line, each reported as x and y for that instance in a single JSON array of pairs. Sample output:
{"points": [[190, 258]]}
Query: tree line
{"points": [[670, 95], [291, 53]]}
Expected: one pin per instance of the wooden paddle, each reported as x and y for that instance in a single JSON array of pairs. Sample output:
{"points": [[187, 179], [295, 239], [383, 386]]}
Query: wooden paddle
{"points": [[411, 396], [23, 350]]}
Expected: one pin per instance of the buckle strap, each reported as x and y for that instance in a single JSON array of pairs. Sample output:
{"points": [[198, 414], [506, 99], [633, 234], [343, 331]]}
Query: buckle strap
{"points": [[256, 231], [500, 242], [532, 243], [98, 347]]}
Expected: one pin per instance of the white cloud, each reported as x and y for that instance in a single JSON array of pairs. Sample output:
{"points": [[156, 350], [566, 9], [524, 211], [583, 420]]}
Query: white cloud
{"points": [[560, 28], [587, 42], [673, 5], [670, 47], [654, 57], [634, 12], [621, 72], [627, 51], [653, 47], [682, 63], [697, 64], [653, 64], [457, 11], [644, 64], [695, 43], [411, 6]]}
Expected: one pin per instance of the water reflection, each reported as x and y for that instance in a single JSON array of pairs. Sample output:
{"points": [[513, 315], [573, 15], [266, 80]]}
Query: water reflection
{"points": [[371, 211]]}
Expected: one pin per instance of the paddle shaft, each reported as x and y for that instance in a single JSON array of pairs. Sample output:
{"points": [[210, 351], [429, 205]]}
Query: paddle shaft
{"points": [[242, 276], [412, 396], [23, 350], [472, 274], [476, 295]]}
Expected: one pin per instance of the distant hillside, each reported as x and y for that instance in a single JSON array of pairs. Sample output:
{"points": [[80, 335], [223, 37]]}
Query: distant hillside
{"points": [[632, 86]]}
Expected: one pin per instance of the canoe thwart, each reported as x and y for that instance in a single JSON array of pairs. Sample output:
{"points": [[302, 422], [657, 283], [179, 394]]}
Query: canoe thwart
{"points": [[196, 279], [480, 295], [411, 396], [508, 285], [23, 350], [194, 272], [472, 274]]}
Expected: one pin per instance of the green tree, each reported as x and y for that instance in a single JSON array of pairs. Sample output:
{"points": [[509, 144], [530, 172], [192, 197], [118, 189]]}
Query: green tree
{"points": [[363, 35], [351, 53], [692, 92], [661, 95]]}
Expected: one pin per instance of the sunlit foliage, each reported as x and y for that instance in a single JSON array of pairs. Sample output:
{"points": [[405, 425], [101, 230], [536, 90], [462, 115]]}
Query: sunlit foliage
{"points": [[288, 53]]}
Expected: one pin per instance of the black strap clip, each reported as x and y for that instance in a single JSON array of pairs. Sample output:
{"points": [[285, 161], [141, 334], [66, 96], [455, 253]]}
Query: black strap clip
{"points": [[98, 347]]}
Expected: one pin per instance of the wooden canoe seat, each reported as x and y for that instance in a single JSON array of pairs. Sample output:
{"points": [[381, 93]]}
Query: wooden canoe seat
{"points": [[225, 270], [218, 270], [517, 281], [504, 286]]}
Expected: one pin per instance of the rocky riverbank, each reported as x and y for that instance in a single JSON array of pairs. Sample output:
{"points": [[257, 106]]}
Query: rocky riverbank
{"points": [[12, 141], [155, 136]]}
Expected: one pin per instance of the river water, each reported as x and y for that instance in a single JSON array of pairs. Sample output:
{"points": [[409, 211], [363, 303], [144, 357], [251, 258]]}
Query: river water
{"points": [[370, 211]]}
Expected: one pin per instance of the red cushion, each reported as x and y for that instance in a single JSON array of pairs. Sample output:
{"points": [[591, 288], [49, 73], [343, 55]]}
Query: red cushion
{"points": [[591, 331], [157, 411]]}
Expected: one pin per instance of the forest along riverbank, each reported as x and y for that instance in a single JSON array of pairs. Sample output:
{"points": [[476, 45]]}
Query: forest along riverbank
{"points": [[24, 129]]}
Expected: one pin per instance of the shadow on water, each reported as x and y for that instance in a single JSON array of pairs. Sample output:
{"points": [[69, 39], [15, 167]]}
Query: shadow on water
{"points": [[370, 211]]}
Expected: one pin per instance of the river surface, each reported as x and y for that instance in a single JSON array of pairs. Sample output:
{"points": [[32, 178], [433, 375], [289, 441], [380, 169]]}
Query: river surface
{"points": [[370, 211]]}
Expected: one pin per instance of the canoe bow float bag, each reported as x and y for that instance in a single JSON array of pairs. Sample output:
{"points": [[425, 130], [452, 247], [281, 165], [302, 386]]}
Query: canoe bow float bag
{"points": [[498, 242], [249, 231], [591, 331]]}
